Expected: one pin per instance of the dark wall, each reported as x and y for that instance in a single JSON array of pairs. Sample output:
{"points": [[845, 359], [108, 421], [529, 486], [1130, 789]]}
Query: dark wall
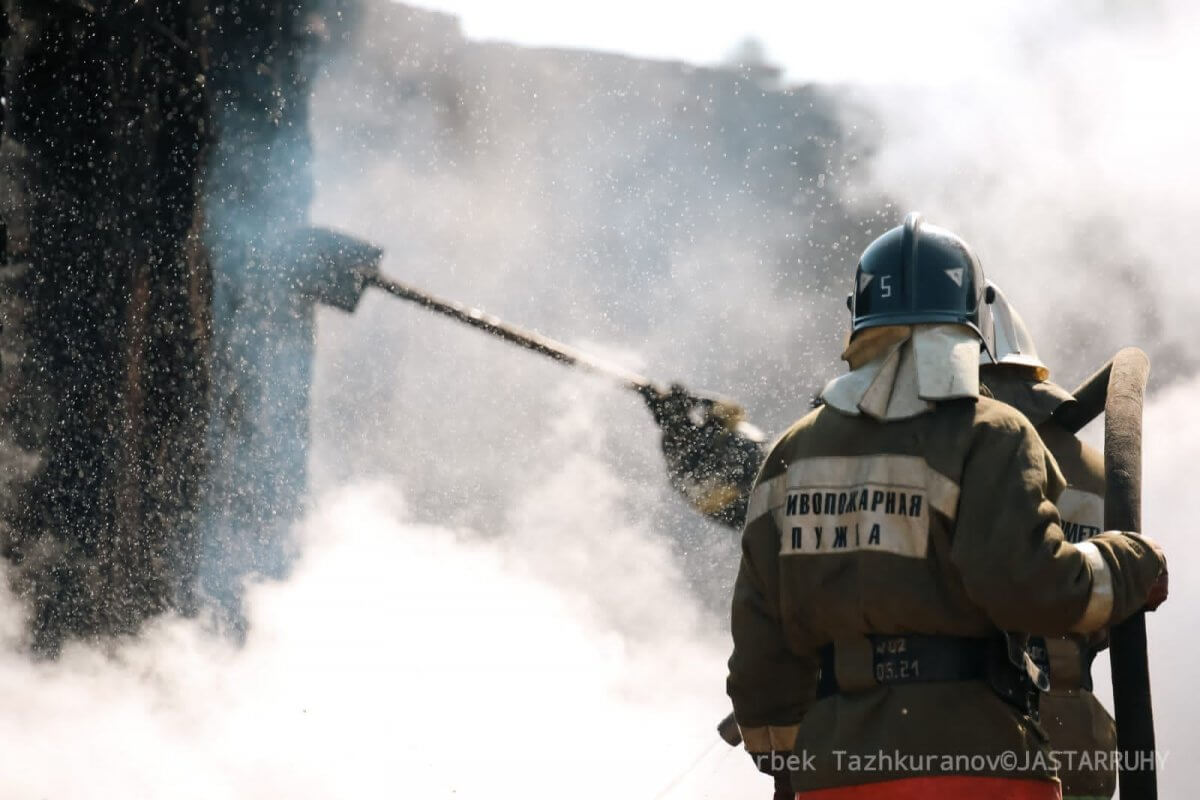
{"points": [[156, 163], [105, 307]]}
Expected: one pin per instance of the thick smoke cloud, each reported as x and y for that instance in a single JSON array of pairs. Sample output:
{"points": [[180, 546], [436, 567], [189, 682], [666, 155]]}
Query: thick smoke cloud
{"points": [[688, 223], [1068, 160], [562, 649]]}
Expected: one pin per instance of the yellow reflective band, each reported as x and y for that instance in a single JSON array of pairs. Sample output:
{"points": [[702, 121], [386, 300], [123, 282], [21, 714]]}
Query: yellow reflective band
{"points": [[1100, 602]]}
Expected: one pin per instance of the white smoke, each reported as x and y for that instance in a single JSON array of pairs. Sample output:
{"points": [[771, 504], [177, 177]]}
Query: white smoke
{"points": [[1068, 160], [560, 653]]}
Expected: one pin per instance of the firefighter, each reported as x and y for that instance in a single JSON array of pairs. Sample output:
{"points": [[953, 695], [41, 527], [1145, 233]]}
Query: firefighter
{"points": [[900, 545], [1072, 716]]}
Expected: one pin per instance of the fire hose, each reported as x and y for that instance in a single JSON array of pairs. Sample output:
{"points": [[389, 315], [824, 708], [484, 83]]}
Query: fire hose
{"points": [[712, 452], [1118, 390]]}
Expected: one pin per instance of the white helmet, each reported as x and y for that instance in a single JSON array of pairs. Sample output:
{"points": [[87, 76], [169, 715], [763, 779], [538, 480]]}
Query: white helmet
{"points": [[1013, 343]]}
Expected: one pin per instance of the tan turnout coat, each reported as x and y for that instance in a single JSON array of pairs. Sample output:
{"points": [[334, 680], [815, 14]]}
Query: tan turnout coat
{"points": [[939, 524]]}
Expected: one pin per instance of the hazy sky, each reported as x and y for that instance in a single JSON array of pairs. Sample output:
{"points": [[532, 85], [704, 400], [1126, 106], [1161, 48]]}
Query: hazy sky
{"points": [[860, 40]]}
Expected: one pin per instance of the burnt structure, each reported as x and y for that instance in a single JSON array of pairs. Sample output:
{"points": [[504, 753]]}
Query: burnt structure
{"points": [[104, 306], [155, 157]]}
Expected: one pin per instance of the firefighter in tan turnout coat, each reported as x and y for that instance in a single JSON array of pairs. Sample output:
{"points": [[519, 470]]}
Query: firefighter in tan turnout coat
{"points": [[893, 537], [1080, 729]]}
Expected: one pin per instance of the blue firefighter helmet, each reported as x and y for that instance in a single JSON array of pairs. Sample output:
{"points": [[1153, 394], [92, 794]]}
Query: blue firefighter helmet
{"points": [[920, 273]]}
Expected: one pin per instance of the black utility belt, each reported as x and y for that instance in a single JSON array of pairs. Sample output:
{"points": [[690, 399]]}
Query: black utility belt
{"points": [[1014, 667], [876, 660]]}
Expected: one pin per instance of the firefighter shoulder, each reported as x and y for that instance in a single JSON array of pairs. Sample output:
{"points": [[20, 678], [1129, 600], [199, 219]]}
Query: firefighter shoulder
{"points": [[900, 545], [1070, 714]]}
